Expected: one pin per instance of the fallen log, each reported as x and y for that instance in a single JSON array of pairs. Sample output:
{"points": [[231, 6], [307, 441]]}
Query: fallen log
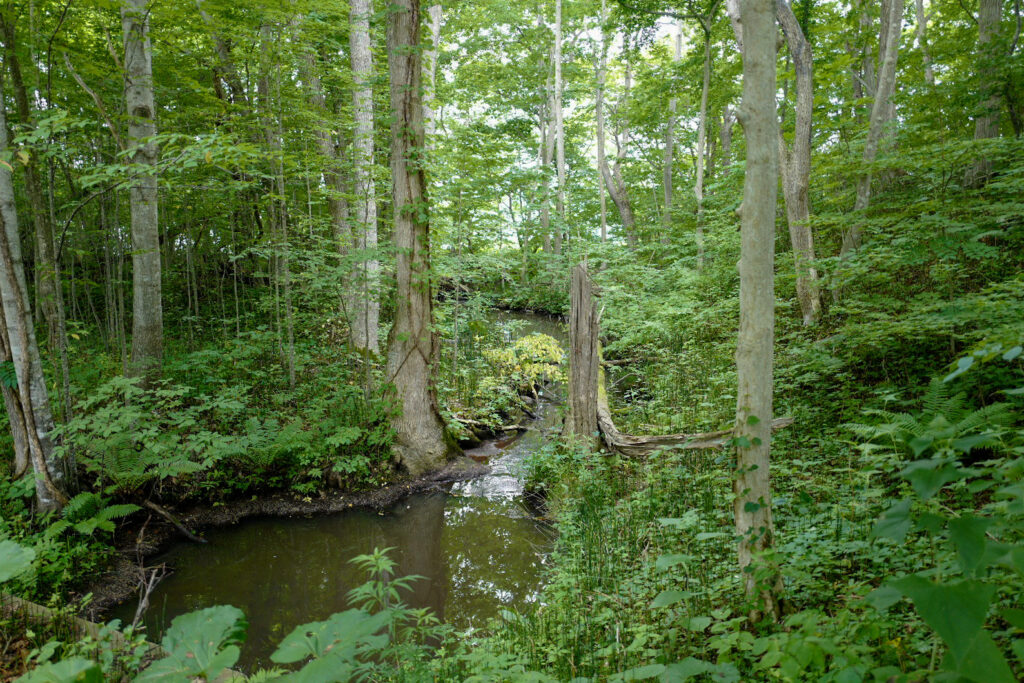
{"points": [[640, 446]]}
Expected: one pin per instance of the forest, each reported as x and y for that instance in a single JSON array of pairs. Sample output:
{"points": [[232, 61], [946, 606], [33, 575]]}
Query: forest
{"points": [[512, 340]]}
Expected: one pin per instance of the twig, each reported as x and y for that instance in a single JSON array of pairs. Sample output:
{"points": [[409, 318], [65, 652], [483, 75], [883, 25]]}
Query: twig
{"points": [[96, 99], [174, 522]]}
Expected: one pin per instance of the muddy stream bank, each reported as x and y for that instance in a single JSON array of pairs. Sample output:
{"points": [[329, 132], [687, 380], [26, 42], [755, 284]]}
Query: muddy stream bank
{"points": [[469, 533]]}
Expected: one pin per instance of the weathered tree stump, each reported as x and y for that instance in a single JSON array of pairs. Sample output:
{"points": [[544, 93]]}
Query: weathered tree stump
{"points": [[581, 418]]}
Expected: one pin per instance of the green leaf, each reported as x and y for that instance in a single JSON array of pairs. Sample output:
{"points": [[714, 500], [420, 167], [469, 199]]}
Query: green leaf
{"points": [[14, 560], [73, 670], [685, 670], [968, 535], [962, 366], [317, 638], [894, 522], [667, 598], [957, 611], [667, 561], [698, 623], [8, 376], [640, 673], [883, 597], [200, 644], [928, 476]]}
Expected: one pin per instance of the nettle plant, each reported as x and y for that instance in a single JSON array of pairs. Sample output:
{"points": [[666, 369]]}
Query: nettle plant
{"points": [[962, 472]]}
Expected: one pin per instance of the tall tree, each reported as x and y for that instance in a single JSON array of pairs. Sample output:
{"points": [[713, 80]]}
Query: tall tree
{"points": [[795, 164], [559, 131], [434, 15], [986, 123], [32, 404], [889, 43], [366, 305], [602, 76], [147, 307], [613, 179], [669, 152], [421, 440], [921, 34], [753, 502]]}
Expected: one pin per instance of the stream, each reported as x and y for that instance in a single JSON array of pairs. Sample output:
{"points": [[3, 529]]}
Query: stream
{"points": [[476, 545]]}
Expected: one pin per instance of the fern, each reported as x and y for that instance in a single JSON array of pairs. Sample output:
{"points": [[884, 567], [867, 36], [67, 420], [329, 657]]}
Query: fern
{"points": [[946, 423]]}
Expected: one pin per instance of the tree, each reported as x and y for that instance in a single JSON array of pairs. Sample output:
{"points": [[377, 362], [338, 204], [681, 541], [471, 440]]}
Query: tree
{"points": [[888, 50], [366, 307], [29, 405], [613, 179], [986, 123], [421, 440], [752, 504], [795, 164], [147, 310]]}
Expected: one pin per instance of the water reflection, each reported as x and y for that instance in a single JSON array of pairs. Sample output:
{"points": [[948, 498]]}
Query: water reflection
{"points": [[477, 549]]}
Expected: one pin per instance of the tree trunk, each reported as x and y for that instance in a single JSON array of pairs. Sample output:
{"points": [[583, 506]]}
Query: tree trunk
{"points": [[752, 506], [20, 340], [434, 15], [45, 268], [366, 308], [702, 134], [421, 440], [602, 162], [880, 112], [669, 158], [581, 418], [922, 41], [613, 177], [147, 312], [725, 137], [559, 131], [986, 124], [795, 163]]}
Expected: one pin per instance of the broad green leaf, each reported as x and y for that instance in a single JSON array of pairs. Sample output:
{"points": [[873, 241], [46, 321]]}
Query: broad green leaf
{"points": [[201, 643], [928, 476], [883, 597], [957, 611], [685, 670], [894, 522], [73, 670], [667, 598], [14, 560], [968, 535]]}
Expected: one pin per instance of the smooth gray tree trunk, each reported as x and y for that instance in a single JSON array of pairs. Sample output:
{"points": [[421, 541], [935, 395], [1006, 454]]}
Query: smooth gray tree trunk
{"points": [[795, 164], [434, 16], [559, 132], [366, 303], [880, 115], [613, 179], [20, 340], [754, 353], [421, 440], [668, 163], [147, 307]]}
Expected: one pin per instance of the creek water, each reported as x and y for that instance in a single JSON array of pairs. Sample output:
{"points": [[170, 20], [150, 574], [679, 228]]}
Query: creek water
{"points": [[474, 543]]}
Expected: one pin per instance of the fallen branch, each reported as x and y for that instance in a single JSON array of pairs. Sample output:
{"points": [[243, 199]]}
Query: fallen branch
{"points": [[478, 423], [640, 446], [174, 521]]}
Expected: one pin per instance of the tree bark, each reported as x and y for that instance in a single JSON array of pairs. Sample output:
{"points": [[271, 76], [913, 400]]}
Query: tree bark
{"points": [[986, 124], [434, 16], [752, 506], [795, 164], [602, 161], [669, 156], [20, 339], [880, 113], [581, 418], [559, 132], [702, 135], [366, 308], [921, 31], [613, 177], [421, 440], [147, 312]]}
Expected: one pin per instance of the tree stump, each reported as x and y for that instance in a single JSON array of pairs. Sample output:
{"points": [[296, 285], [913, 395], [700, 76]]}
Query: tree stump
{"points": [[581, 419]]}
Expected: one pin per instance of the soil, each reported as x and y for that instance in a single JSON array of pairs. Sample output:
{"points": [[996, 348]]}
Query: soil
{"points": [[152, 534]]}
